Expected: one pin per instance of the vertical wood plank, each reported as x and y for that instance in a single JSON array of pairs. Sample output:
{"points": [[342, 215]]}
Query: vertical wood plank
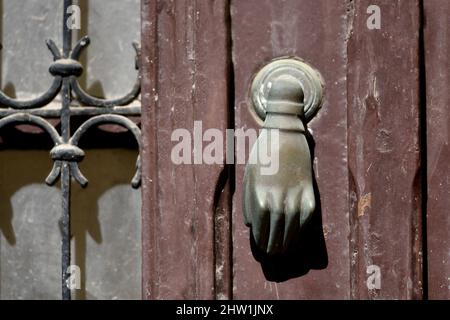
{"points": [[371, 201], [148, 152], [185, 80], [384, 155], [437, 52], [315, 31]]}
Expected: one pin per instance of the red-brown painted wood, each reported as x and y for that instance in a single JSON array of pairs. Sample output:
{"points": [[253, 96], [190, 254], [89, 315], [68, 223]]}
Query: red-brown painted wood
{"points": [[315, 31], [384, 151], [366, 158], [185, 79], [367, 142], [437, 52]]}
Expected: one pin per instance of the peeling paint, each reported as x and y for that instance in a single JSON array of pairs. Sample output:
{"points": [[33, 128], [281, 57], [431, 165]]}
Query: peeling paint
{"points": [[364, 202]]}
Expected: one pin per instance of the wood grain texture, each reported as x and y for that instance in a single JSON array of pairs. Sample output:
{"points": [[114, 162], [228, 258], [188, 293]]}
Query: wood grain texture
{"points": [[437, 52], [365, 142], [315, 31], [185, 80], [384, 152], [367, 159]]}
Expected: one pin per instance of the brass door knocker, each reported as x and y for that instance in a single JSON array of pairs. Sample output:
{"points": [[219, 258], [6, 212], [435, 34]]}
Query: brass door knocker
{"points": [[286, 94]]}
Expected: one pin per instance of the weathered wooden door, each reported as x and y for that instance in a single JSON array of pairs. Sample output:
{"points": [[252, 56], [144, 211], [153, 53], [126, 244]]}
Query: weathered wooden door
{"points": [[381, 228]]}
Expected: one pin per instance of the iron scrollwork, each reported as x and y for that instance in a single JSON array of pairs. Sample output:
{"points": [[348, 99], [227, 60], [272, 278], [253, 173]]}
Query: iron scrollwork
{"points": [[66, 153]]}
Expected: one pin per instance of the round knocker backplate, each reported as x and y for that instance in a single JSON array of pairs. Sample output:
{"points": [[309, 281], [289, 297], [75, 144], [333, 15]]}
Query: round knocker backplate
{"points": [[309, 78]]}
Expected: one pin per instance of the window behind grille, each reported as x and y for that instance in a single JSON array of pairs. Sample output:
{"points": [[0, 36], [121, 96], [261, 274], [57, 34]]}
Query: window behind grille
{"points": [[105, 215]]}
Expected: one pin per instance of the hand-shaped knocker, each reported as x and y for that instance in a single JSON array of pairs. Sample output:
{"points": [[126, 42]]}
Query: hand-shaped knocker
{"points": [[278, 203]]}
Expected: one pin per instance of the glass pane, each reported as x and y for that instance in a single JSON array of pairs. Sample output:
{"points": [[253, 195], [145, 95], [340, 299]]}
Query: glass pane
{"points": [[112, 26], [25, 58], [105, 227]]}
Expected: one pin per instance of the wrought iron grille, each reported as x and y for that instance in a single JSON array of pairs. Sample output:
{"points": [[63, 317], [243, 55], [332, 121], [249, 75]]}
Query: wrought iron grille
{"points": [[66, 153]]}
